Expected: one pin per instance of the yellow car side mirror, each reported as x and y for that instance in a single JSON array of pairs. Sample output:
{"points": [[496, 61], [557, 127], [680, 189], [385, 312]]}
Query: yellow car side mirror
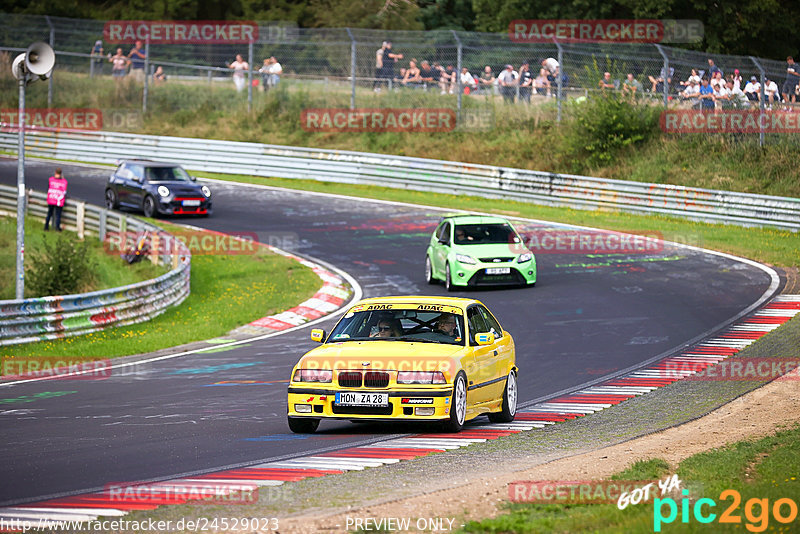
{"points": [[318, 335], [484, 338]]}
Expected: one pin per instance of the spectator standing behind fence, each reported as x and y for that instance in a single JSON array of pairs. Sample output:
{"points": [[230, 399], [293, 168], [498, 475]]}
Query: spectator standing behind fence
{"points": [[390, 57], [239, 67], [737, 79], [56, 198], [706, 96], [264, 70], [137, 57], [753, 89], [468, 81], [119, 66], [542, 83], [275, 71], [97, 57], [507, 80], [412, 74], [379, 72], [606, 82], [158, 76], [551, 64], [771, 92], [692, 94], [487, 79], [792, 79], [631, 87], [449, 79], [713, 69], [525, 82]]}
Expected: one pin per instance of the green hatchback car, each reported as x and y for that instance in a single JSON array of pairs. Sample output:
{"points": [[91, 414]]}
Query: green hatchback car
{"points": [[477, 250]]}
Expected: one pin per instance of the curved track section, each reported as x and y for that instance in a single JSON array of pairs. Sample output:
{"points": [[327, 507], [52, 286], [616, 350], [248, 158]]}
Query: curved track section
{"points": [[590, 316]]}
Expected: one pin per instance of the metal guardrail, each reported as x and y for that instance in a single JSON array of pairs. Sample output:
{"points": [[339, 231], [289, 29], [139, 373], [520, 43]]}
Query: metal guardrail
{"points": [[40, 319], [551, 189]]}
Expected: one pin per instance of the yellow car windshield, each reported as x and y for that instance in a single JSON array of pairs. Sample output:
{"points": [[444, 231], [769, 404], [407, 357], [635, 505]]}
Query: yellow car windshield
{"points": [[425, 323]]}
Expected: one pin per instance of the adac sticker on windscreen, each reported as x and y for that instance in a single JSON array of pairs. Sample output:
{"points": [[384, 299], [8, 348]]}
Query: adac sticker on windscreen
{"points": [[436, 308]]}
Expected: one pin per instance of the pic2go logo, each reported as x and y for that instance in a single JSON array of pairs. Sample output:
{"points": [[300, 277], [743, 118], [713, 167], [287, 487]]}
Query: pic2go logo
{"points": [[756, 511]]}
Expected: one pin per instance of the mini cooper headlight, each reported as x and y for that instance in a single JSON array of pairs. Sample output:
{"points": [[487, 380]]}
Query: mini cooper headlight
{"points": [[163, 191], [313, 375], [206, 191], [463, 258], [524, 257], [420, 377]]}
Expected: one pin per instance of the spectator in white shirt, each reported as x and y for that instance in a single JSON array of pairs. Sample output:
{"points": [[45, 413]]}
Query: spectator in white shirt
{"points": [[507, 80], [771, 92], [737, 79], [694, 77], [467, 80], [753, 89], [691, 93]]}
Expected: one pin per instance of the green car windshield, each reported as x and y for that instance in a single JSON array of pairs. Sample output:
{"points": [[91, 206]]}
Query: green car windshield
{"points": [[399, 324], [485, 234]]}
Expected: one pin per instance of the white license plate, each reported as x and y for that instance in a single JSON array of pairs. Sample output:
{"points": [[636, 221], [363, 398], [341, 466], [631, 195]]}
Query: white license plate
{"points": [[498, 270], [348, 398], [190, 203]]}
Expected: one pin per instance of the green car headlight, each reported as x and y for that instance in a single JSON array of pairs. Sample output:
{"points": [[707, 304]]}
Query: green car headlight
{"points": [[463, 258], [524, 257]]}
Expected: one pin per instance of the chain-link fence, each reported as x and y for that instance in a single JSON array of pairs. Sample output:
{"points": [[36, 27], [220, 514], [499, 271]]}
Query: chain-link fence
{"points": [[355, 68]]}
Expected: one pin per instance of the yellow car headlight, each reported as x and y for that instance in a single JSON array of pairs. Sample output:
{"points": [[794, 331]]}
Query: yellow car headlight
{"points": [[313, 375], [420, 377]]}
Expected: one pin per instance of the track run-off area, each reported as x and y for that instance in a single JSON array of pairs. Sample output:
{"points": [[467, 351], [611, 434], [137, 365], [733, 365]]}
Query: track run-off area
{"points": [[590, 318]]}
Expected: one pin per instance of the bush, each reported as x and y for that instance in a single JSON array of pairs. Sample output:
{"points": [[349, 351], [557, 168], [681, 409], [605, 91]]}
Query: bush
{"points": [[601, 126], [63, 266]]}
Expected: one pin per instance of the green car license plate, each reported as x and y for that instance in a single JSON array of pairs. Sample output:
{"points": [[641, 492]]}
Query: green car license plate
{"points": [[351, 398], [498, 270]]}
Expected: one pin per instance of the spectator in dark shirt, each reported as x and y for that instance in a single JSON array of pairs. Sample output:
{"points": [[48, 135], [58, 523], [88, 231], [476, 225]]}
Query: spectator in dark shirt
{"points": [[712, 69], [137, 57], [792, 79], [487, 79], [606, 82], [525, 82], [427, 75]]}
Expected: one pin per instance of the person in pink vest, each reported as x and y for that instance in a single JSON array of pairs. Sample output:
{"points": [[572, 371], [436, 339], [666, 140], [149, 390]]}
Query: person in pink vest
{"points": [[56, 197]]}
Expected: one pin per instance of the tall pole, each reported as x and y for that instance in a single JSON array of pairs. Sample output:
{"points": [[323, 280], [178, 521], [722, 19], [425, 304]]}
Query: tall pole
{"points": [[20, 278], [52, 45], [250, 77], [352, 69]]}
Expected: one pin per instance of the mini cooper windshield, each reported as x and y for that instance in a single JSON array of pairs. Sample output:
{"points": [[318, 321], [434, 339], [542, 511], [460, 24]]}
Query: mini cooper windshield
{"points": [[401, 322], [167, 174], [485, 234]]}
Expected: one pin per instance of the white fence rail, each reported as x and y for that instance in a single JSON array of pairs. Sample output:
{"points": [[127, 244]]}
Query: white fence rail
{"points": [[418, 174], [39, 319]]}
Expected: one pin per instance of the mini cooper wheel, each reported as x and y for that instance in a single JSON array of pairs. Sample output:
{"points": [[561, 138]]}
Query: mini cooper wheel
{"points": [[149, 206], [448, 279], [300, 425], [429, 271], [506, 415], [458, 405], [112, 202]]}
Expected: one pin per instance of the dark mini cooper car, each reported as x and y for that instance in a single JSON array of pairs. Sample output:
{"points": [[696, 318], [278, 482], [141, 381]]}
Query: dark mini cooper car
{"points": [[157, 189]]}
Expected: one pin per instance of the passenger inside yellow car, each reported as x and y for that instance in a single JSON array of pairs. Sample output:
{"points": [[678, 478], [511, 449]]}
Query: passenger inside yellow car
{"points": [[387, 328]]}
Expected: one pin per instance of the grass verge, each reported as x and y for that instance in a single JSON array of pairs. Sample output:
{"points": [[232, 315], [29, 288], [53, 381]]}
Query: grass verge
{"points": [[227, 291], [772, 246], [761, 472], [110, 270]]}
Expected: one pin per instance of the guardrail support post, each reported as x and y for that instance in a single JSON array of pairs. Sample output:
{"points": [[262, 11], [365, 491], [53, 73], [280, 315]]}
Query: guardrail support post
{"points": [[80, 219], [352, 69], [761, 102], [666, 72], [101, 227]]}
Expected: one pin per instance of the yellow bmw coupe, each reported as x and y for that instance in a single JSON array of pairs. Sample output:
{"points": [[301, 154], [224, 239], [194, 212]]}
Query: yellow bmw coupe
{"points": [[413, 358]]}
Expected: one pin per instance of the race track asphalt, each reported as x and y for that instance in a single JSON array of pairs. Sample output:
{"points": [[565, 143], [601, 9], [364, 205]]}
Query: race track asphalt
{"points": [[588, 316]]}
